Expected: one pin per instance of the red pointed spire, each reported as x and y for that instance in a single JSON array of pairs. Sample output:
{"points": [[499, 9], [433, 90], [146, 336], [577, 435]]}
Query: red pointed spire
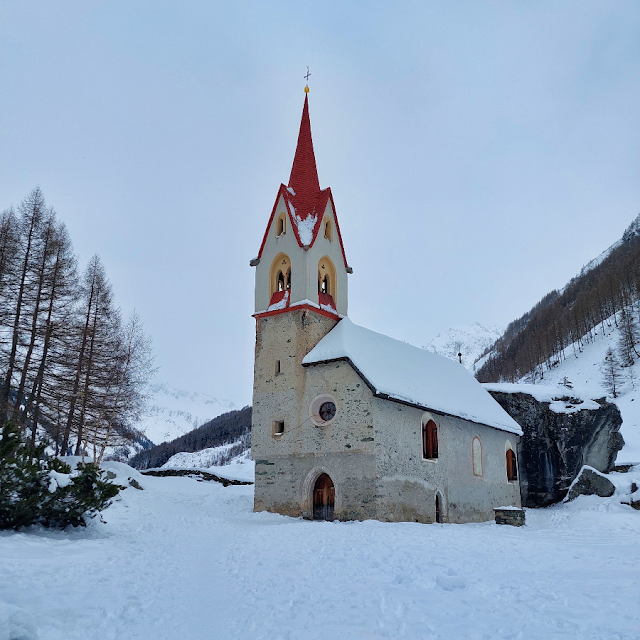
{"points": [[304, 174]]}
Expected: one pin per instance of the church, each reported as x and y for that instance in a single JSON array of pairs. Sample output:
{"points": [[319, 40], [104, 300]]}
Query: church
{"points": [[350, 424]]}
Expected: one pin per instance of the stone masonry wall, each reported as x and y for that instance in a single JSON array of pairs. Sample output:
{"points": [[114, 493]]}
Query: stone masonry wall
{"points": [[288, 464], [407, 483]]}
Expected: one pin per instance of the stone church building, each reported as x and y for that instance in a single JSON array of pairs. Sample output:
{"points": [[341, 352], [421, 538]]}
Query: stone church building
{"points": [[348, 423]]}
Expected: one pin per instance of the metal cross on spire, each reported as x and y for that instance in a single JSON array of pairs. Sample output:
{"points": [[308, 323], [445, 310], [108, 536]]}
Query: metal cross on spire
{"points": [[308, 74]]}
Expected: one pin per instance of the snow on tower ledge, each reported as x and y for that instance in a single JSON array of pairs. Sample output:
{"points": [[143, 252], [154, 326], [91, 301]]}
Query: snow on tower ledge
{"points": [[402, 372]]}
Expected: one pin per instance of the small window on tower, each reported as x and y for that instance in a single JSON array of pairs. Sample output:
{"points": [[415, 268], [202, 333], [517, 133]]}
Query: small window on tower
{"points": [[277, 367], [278, 427], [281, 281], [281, 225], [328, 230]]}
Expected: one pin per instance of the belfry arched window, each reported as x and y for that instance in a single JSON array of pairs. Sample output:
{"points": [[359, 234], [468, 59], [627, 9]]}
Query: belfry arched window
{"points": [[280, 274], [429, 440], [281, 225], [327, 277]]}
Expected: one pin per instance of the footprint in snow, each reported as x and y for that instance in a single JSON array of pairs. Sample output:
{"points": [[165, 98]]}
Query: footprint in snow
{"points": [[451, 581]]}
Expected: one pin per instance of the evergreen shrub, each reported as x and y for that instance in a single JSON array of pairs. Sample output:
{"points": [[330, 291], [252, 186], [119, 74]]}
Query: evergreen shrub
{"points": [[37, 489]]}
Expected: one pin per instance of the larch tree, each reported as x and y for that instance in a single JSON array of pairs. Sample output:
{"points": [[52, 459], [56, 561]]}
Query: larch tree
{"points": [[96, 314], [56, 329], [32, 213], [629, 337], [612, 377], [69, 367]]}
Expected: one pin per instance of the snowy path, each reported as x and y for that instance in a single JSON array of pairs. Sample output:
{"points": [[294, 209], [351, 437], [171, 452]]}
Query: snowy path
{"points": [[188, 559]]}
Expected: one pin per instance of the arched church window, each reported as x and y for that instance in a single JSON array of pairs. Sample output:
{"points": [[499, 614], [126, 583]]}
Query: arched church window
{"points": [[281, 225], [512, 466], [429, 440], [281, 281], [476, 452], [323, 286]]}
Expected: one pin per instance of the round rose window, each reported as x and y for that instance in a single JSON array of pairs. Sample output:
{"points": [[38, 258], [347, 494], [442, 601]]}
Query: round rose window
{"points": [[323, 410], [327, 411]]}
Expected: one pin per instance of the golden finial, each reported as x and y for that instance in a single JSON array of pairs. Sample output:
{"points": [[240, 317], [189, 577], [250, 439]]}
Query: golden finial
{"points": [[306, 89]]}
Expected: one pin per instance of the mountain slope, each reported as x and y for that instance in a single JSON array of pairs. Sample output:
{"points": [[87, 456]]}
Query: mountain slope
{"points": [[582, 369], [173, 412], [539, 339], [232, 427]]}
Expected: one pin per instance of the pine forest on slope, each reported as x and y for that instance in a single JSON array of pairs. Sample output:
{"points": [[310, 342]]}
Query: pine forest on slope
{"points": [[563, 322]]}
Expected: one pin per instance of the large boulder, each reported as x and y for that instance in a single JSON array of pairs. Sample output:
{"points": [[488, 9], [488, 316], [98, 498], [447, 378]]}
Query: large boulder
{"points": [[555, 446], [590, 483]]}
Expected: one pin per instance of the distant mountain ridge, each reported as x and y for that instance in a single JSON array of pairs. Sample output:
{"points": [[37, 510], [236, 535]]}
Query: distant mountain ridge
{"points": [[233, 427], [567, 318], [173, 412]]}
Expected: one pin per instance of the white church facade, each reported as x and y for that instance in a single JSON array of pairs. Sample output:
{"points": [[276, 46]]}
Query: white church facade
{"points": [[348, 423]]}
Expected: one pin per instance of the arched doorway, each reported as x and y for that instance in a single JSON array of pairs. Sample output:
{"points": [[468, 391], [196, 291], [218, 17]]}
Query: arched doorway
{"points": [[324, 494]]}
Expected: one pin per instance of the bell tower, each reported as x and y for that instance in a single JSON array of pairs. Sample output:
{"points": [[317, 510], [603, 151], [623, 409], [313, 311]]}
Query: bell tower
{"points": [[300, 295], [302, 260]]}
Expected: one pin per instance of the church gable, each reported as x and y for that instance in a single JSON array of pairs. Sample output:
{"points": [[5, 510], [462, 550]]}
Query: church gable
{"points": [[306, 230]]}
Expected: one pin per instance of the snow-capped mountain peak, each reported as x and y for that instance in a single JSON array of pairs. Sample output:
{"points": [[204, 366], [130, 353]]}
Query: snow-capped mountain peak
{"points": [[469, 339]]}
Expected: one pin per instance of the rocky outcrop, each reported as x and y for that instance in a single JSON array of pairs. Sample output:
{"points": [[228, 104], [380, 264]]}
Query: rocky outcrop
{"points": [[590, 483], [555, 446]]}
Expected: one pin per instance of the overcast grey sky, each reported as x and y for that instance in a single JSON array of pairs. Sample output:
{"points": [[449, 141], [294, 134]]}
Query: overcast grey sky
{"points": [[479, 153]]}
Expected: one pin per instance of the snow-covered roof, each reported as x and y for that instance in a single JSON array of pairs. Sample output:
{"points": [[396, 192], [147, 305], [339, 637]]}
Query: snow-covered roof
{"points": [[415, 376]]}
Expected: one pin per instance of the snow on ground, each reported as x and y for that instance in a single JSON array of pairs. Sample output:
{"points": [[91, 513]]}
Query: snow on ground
{"points": [[174, 412], [241, 467], [198, 459], [470, 340], [188, 559]]}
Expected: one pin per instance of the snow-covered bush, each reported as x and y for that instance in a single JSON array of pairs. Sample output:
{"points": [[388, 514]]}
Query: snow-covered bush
{"points": [[35, 489]]}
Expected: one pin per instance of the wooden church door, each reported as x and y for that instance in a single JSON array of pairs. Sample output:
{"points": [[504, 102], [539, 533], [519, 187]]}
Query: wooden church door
{"points": [[323, 498]]}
